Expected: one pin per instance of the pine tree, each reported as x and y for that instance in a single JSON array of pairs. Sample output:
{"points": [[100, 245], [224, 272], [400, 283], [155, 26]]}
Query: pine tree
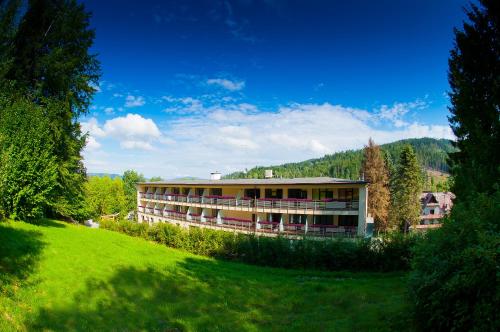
{"points": [[474, 71], [406, 186], [375, 172]]}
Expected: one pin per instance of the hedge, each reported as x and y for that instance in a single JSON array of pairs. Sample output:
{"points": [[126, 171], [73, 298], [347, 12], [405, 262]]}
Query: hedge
{"points": [[389, 253]]}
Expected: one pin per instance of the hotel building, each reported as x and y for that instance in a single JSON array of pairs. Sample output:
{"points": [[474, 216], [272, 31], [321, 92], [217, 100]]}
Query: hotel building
{"points": [[319, 206]]}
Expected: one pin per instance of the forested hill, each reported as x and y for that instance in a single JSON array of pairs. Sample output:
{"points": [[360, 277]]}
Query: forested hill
{"points": [[432, 154]]}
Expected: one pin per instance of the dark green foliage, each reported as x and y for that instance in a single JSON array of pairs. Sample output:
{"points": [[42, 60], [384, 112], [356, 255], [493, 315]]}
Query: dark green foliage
{"points": [[44, 54], [28, 167], [50, 54], [431, 153], [455, 279], [389, 253], [406, 188], [474, 76]]}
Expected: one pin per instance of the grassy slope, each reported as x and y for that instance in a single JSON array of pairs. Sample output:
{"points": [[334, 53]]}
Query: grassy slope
{"points": [[64, 277]]}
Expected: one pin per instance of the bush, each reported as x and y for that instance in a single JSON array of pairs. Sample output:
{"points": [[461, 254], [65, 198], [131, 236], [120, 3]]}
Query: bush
{"points": [[391, 253], [456, 270]]}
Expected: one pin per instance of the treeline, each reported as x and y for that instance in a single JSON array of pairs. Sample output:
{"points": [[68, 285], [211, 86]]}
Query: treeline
{"points": [[106, 195], [431, 153]]}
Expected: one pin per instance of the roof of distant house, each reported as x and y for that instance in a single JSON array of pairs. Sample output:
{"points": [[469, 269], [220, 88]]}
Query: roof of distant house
{"points": [[272, 181], [443, 199]]}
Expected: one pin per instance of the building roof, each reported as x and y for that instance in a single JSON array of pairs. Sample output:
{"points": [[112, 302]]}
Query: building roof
{"points": [[272, 181], [442, 199]]}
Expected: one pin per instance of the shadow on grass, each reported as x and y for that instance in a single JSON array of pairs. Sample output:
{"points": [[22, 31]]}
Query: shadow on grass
{"points": [[50, 223], [19, 254], [136, 299], [206, 295]]}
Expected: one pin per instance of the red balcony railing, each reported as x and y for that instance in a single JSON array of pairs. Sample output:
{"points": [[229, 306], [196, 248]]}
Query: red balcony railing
{"points": [[259, 203]]}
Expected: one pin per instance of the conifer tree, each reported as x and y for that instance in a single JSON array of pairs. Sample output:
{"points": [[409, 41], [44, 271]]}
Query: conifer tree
{"points": [[474, 76], [375, 172], [406, 186]]}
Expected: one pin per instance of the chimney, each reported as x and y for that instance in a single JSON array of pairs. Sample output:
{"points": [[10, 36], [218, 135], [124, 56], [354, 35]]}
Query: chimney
{"points": [[268, 173], [215, 176]]}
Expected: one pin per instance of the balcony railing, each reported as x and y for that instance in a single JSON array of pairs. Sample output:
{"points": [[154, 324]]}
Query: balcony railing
{"points": [[315, 230], [259, 203]]}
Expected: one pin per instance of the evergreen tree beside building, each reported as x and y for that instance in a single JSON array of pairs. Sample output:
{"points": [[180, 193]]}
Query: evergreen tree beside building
{"points": [[406, 188]]}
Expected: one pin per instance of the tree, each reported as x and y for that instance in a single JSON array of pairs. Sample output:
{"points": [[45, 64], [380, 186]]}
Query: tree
{"points": [[104, 195], [454, 284], [407, 186], [474, 71], [48, 59], [28, 167], [375, 172], [130, 180], [155, 179]]}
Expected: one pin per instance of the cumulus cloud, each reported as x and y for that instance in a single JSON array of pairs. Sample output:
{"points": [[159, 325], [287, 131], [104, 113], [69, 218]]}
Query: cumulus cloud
{"points": [[227, 84], [132, 131], [238, 136], [397, 111], [134, 101], [92, 143]]}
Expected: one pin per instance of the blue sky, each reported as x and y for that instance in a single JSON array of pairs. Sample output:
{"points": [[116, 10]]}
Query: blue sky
{"points": [[190, 87]]}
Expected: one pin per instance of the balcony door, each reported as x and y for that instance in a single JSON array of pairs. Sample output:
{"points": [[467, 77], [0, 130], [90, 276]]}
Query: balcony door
{"points": [[297, 193], [252, 193], [274, 193]]}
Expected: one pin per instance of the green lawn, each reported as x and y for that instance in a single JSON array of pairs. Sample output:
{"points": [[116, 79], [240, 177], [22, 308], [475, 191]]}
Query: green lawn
{"points": [[64, 277]]}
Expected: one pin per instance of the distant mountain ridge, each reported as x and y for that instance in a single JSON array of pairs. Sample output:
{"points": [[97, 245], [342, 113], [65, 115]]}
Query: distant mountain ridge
{"points": [[432, 154]]}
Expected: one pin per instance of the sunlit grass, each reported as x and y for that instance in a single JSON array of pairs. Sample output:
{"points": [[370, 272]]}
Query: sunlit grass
{"points": [[64, 277]]}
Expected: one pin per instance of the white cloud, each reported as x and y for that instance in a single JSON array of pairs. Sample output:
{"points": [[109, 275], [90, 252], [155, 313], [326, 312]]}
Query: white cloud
{"points": [[132, 131], [397, 111], [140, 145], [92, 143], [227, 84], [238, 136], [131, 126], [92, 128], [134, 101]]}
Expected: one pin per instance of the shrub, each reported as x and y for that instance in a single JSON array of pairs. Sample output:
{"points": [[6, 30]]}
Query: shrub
{"points": [[390, 253], [455, 278]]}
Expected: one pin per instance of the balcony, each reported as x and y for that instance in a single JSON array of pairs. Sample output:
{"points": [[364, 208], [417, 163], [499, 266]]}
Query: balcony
{"points": [[259, 204], [263, 227]]}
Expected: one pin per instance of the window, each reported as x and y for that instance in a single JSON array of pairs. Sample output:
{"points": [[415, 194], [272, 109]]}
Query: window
{"points": [[297, 193], [216, 191], [252, 193], [176, 190], [274, 217], [431, 211], [199, 191], [322, 193], [185, 191], [323, 220], [347, 194], [348, 221], [297, 219], [274, 193]]}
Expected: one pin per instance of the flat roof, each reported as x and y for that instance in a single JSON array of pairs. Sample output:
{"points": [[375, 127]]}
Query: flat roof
{"points": [[272, 181]]}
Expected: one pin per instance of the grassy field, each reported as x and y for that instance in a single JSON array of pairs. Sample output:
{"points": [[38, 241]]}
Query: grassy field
{"points": [[64, 277]]}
